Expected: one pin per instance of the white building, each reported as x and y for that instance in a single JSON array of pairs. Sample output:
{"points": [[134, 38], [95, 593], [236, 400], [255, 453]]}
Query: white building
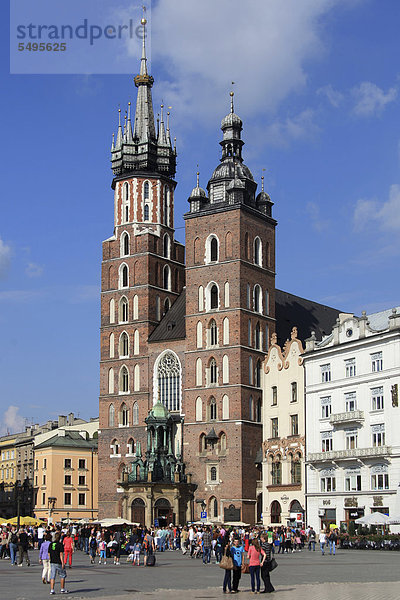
{"points": [[352, 419], [283, 433]]}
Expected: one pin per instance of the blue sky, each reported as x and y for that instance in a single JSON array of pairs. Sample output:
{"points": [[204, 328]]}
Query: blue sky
{"points": [[317, 86]]}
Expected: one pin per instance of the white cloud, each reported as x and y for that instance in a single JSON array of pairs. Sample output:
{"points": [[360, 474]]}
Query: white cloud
{"points": [[334, 96], [33, 270], [12, 421], [371, 99], [385, 215], [313, 211], [263, 46], [5, 258], [301, 126]]}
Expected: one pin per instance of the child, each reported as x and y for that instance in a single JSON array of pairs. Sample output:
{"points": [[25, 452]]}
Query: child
{"points": [[102, 548], [136, 553]]}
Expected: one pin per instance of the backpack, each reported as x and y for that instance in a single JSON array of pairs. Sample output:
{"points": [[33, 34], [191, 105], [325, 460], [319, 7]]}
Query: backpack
{"points": [[14, 538]]}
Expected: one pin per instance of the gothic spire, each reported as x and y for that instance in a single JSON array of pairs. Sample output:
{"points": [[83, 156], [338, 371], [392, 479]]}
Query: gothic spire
{"points": [[144, 149], [129, 137], [144, 117], [119, 132], [162, 137]]}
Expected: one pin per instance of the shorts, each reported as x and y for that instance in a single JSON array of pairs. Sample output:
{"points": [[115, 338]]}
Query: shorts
{"points": [[56, 569]]}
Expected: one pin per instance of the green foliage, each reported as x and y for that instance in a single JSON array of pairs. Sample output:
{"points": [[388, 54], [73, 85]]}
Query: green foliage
{"points": [[352, 528]]}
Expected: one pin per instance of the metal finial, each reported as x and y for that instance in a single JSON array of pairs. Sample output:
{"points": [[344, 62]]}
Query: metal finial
{"points": [[262, 181], [144, 20], [198, 176], [119, 117], [162, 112], [231, 95], [129, 111]]}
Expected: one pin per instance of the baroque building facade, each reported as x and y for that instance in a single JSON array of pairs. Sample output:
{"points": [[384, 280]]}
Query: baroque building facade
{"points": [[186, 332], [283, 466], [353, 442]]}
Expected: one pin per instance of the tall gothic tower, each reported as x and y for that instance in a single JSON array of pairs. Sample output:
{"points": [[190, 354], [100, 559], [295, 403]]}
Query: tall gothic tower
{"points": [[142, 275], [230, 306]]}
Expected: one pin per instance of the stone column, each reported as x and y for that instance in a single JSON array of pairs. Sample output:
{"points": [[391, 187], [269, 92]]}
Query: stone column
{"points": [[149, 518], [176, 508]]}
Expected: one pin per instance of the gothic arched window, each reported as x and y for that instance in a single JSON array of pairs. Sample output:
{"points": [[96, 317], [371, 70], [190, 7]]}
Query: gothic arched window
{"points": [[124, 276], [146, 214], [257, 252], [124, 416], [123, 310], [213, 333], [214, 296], [167, 278], [213, 409], [213, 473], [111, 414], [146, 190], [257, 298], [135, 414], [213, 371], [125, 244], [124, 380], [169, 381], [166, 246], [214, 249], [124, 344]]}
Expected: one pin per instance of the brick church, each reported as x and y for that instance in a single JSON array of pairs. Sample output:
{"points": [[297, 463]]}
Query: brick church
{"points": [[184, 331]]}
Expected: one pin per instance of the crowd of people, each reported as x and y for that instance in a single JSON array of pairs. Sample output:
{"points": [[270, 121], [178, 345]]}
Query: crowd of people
{"points": [[234, 549]]}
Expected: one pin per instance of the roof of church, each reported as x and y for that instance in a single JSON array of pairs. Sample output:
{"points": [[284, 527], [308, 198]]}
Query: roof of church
{"points": [[306, 315], [290, 311], [172, 325]]}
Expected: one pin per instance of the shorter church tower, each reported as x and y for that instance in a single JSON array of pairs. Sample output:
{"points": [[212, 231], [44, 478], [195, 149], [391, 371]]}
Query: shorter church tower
{"points": [[230, 316]]}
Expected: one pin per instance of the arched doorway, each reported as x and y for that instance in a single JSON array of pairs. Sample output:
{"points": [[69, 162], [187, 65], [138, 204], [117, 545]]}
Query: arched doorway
{"points": [[163, 512], [138, 511], [296, 507], [275, 512]]}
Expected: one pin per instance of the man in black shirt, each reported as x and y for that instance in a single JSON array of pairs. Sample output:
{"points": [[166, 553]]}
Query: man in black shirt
{"points": [[56, 551], [23, 545]]}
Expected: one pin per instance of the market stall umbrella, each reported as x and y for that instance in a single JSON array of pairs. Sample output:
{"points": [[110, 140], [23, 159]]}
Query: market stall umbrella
{"points": [[115, 522], [394, 520], [375, 518], [236, 524], [25, 521]]}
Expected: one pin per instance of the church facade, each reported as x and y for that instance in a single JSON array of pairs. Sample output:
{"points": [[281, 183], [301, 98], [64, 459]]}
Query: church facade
{"points": [[186, 329]]}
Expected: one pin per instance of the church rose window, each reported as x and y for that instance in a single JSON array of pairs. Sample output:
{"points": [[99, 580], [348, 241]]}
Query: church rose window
{"points": [[169, 381]]}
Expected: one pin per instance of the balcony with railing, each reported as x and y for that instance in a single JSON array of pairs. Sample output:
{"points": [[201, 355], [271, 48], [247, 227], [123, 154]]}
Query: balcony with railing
{"points": [[353, 416], [376, 451]]}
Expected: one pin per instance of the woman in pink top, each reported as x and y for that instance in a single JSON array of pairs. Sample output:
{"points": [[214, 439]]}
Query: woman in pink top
{"points": [[68, 549], [254, 554]]}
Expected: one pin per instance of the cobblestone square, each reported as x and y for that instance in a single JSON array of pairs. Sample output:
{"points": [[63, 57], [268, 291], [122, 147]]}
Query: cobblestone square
{"points": [[366, 575]]}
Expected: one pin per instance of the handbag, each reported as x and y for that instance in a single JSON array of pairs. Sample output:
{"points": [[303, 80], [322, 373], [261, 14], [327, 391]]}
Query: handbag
{"points": [[226, 563], [272, 564], [245, 567]]}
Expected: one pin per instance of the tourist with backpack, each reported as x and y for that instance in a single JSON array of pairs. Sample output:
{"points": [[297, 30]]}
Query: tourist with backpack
{"points": [[13, 545]]}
